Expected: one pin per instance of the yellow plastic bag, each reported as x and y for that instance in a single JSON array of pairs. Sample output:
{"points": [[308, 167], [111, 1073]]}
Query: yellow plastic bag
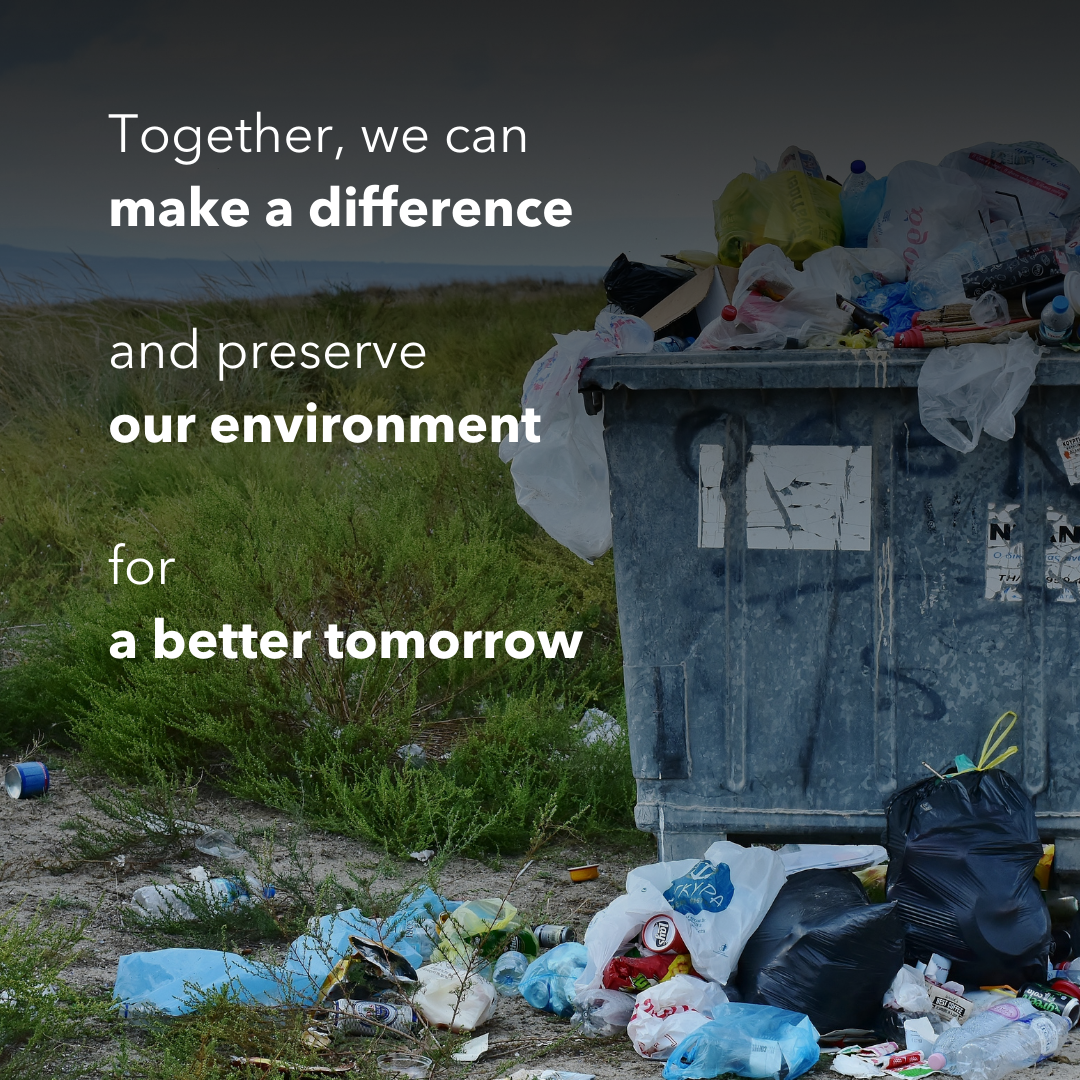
{"points": [[800, 214], [484, 927]]}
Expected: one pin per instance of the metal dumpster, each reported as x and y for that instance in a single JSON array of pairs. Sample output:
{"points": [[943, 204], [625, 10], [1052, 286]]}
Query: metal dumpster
{"points": [[816, 596]]}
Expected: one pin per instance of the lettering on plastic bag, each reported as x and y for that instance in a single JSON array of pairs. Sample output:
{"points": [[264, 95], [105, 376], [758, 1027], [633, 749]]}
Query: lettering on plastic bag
{"points": [[704, 888], [766, 1058]]}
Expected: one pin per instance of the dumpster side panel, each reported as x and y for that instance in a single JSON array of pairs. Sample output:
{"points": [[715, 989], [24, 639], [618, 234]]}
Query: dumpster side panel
{"points": [[796, 650]]}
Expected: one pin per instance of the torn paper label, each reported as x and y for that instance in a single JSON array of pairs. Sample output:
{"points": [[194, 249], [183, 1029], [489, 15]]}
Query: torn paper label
{"points": [[1069, 449], [809, 497], [711, 508], [1062, 558], [1004, 554]]}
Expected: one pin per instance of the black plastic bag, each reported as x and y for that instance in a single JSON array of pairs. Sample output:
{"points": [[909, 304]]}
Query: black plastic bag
{"points": [[962, 852], [637, 288], [823, 949]]}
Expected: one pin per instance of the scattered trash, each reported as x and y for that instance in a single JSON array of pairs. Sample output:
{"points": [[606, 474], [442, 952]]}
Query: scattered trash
{"points": [[548, 982], [1014, 1046], [508, 972], [596, 726], [716, 904], [635, 973], [295, 1072], [220, 844], [411, 1066], [824, 950], [26, 780], [589, 872], [371, 1017], [547, 1074], [602, 1012], [483, 927], [424, 856], [219, 894], [751, 1040], [665, 1014], [796, 857], [369, 968], [472, 1050], [453, 998]]}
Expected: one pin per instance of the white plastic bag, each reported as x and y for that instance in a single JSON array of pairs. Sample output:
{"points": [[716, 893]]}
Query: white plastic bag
{"points": [[666, 1013], [602, 1012], [984, 385], [927, 211], [1032, 171], [716, 903], [908, 993], [562, 480], [453, 999], [852, 272]]}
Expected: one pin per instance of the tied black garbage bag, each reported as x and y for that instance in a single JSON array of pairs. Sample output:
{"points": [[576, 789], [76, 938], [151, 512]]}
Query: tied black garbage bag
{"points": [[637, 288], [962, 852], [823, 949]]}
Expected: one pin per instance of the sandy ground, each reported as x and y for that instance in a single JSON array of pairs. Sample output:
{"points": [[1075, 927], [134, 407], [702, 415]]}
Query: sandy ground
{"points": [[33, 854]]}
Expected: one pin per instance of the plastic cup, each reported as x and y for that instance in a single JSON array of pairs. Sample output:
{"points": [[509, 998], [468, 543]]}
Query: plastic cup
{"points": [[26, 779]]}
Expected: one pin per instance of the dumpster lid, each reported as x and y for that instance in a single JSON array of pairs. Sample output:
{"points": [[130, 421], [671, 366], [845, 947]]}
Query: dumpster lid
{"points": [[787, 368]]}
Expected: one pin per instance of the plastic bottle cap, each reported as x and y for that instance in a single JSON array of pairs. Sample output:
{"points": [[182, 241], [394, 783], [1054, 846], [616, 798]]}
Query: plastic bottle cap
{"points": [[729, 313], [936, 1061], [1061, 305], [858, 166]]}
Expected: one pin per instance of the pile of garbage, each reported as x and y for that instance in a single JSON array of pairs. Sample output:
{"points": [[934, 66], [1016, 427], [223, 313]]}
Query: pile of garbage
{"points": [[950, 949], [976, 258]]}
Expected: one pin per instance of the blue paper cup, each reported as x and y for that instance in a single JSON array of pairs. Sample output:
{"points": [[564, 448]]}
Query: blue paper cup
{"points": [[26, 780]]}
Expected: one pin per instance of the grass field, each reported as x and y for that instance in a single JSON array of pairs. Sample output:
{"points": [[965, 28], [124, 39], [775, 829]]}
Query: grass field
{"points": [[374, 536]]}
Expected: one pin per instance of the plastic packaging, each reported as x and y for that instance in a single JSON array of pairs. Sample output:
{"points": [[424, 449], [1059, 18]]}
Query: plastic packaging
{"points": [[637, 288], [796, 857], [926, 212], [982, 384], [949, 1043], [799, 213], [1030, 172], [562, 481], [1057, 322], [962, 853], [823, 949], [716, 902], [1014, 1046], [665, 1014], [991, 309], [750, 1040], [172, 901], [907, 993], [602, 1012], [482, 927], [936, 282], [548, 983], [509, 969], [860, 201], [634, 973], [451, 998]]}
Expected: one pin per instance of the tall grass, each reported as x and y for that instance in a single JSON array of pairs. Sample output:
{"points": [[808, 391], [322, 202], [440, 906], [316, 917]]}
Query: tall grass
{"points": [[376, 536]]}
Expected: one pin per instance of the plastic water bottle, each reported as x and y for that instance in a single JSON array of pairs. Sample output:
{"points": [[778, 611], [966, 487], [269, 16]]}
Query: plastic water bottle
{"points": [[509, 969], [940, 282], [950, 1042], [858, 180], [1056, 323], [1014, 1046]]}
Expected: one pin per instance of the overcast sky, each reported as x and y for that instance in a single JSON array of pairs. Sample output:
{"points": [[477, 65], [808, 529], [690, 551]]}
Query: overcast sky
{"points": [[637, 114]]}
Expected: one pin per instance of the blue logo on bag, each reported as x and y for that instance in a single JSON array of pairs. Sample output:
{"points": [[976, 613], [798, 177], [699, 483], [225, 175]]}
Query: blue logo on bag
{"points": [[704, 888]]}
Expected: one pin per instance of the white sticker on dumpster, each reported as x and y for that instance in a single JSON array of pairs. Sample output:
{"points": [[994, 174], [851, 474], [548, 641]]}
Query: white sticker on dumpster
{"points": [[1069, 449], [809, 497], [1004, 554], [711, 508], [1062, 558]]}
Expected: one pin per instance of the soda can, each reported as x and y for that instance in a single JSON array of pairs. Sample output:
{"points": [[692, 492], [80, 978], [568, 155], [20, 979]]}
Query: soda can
{"points": [[660, 935], [549, 935], [1053, 1001], [372, 1017], [26, 779]]}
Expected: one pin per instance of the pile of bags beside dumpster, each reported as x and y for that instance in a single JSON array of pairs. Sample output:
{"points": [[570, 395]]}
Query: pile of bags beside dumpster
{"points": [[948, 950]]}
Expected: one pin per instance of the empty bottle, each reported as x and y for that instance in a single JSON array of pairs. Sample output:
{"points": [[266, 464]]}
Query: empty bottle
{"points": [[939, 282], [861, 197], [859, 179], [1057, 320], [951, 1041], [509, 969], [1015, 1046]]}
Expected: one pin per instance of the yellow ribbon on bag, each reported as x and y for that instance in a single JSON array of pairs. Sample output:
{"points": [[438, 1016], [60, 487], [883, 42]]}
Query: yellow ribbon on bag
{"points": [[965, 764]]}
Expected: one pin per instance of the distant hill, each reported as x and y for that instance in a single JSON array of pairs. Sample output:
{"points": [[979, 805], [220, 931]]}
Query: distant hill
{"points": [[28, 276]]}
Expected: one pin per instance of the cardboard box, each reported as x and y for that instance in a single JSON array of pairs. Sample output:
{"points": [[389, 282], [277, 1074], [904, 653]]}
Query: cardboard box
{"points": [[709, 290]]}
